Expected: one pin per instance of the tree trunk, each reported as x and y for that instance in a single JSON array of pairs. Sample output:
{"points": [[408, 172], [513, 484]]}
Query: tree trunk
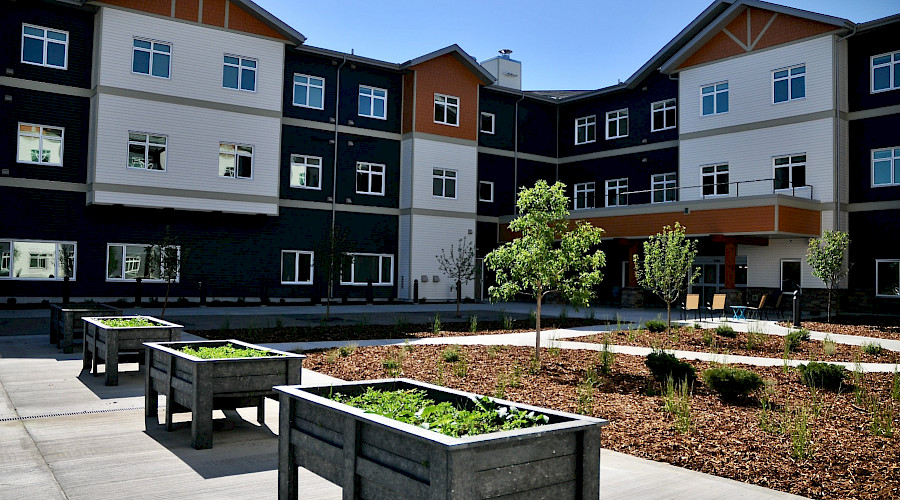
{"points": [[668, 318], [828, 307], [328, 299], [166, 302], [458, 297], [537, 332]]}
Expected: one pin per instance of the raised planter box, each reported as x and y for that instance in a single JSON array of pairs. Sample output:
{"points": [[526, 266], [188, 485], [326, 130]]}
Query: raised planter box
{"points": [[65, 321], [199, 386], [371, 456], [103, 343]]}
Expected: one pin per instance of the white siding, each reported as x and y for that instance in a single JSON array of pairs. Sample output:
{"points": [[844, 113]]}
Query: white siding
{"points": [[750, 86], [404, 287], [764, 263], [430, 236], [428, 155], [406, 172]]}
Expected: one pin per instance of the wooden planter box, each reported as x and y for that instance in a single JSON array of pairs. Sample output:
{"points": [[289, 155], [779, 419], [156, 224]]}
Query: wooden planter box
{"points": [[371, 456], [65, 321], [104, 343], [199, 386]]}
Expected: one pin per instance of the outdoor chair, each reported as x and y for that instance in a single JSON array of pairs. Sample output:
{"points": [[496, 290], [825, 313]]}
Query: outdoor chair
{"points": [[718, 306], [778, 307], [691, 303], [758, 309]]}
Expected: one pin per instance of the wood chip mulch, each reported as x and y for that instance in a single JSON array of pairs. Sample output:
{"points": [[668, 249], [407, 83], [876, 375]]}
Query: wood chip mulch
{"points": [[726, 440], [864, 326]]}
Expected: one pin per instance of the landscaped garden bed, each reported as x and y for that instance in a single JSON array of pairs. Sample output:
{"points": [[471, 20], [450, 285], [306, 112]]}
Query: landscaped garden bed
{"points": [[812, 442], [487, 448], [883, 327], [106, 337]]}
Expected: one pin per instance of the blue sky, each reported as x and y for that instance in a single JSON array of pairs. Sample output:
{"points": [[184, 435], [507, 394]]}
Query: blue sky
{"points": [[564, 44]]}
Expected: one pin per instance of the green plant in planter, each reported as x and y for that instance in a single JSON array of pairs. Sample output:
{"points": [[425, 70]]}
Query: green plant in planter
{"points": [[224, 352], [127, 322]]}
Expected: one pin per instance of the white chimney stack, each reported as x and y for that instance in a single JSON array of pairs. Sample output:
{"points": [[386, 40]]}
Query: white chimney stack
{"points": [[506, 70]]}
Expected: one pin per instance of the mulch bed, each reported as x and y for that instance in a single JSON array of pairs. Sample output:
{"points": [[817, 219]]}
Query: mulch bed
{"points": [[765, 346], [864, 326], [726, 439]]}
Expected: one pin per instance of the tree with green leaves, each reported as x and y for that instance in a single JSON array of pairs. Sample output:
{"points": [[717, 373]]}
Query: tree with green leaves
{"points": [[548, 255], [165, 261], [458, 265], [666, 266], [828, 258], [330, 251]]}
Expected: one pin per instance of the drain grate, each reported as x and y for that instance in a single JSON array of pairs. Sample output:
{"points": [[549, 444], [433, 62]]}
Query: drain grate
{"points": [[69, 414]]}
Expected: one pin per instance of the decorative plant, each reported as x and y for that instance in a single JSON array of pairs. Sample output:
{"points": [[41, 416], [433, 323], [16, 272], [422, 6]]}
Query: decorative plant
{"points": [[828, 258], [330, 251], [666, 268], [165, 261], [458, 265]]}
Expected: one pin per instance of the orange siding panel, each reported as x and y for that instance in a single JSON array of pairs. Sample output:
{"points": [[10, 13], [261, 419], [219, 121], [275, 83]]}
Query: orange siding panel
{"points": [[758, 19], [799, 221], [161, 7], [446, 75], [189, 10], [241, 20], [214, 13], [789, 28], [409, 80], [719, 47], [738, 27]]}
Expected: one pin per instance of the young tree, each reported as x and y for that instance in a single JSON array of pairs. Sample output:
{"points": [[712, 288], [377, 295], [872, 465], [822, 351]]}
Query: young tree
{"points": [[459, 265], [535, 263], [828, 258], [666, 268], [330, 251], [165, 261]]}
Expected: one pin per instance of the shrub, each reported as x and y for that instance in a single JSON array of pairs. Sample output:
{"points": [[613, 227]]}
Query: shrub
{"points": [[822, 375], [656, 326], [726, 331], [792, 340], [732, 383], [450, 354], [663, 365], [873, 348]]}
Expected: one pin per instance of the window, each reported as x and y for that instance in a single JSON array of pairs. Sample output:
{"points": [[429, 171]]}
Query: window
{"points": [[239, 73], [125, 262], [40, 144], [790, 171], [306, 172], [361, 268], [616, 190], [586, 129], [714, 180], [443, 183], [715, 98], [664, 187], [46, 260], [487, 123], [617, 124], [584, 195], [309, 91], [887, 278], [372, 102], [789, 84], [790, 275], [886, 72], [446, 109], [662, 115], [296, 267], [485, 191], [44, 46], [235, 160], [886, 167], [146, 151], [151, 58], [369, 178]]}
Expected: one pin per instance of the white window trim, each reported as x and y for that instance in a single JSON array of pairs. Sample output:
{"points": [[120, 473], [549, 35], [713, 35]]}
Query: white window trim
{"points": [[152, 51], [297, 253], [716, 111], [618, 119], [62, 143], [146, 151], [12, 243], [890, 65], [294, 85], [790, 166], [617, 189], [586, 126], [584, 187], [715, 186], [240, 68], [444, 178], [372, 97], [663, 109], [236, 155], [493, 123], [382, 174], [895, 182], [789, 78], [363, 254], [490, 183], [446, 105], [877, 261], [305, 159], [661, 186], [143, 279], [44, 64]]}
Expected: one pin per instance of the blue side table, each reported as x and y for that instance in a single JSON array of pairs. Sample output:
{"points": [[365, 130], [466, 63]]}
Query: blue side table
{"points": [[739, 313]]}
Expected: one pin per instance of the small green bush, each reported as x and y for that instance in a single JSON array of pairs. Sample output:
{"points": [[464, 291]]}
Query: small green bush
{"points": [[663, 365], [822, 375], [732, 383], [873, 348], [656, 326], [450, 354], [726, 331], [793, 340]]}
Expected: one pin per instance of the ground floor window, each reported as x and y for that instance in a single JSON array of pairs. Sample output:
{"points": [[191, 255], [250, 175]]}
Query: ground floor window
{"points": [[790, 275], [887, 278], [296, 267], [129, 261], [361, 268], [49, 260]]}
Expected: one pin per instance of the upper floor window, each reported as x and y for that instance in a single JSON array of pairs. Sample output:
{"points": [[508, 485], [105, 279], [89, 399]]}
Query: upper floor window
{"points": [[887, 278], [40, 144], [446, 109], [151, 58], [309, 91], [789, 84], [487, 123], [239, 73], [296, 267], [362, 268], [128, 262], [662, 115], [584, 195], [585, 129], [715, 98], [714, 179], [443, 183], [664, 187], [616, 190], [886, 167], [369, 178], [886, 72], [306, 172], [485, 191], [147, 151], [617, 124], [51, 260], [45, 46], [790, 171], [235, 160], [372, 102]]}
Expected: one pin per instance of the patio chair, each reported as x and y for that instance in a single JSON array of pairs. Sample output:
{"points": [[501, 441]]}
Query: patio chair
{"points": [[756, 310], [691, 303], [718, 305], [778, 307]]}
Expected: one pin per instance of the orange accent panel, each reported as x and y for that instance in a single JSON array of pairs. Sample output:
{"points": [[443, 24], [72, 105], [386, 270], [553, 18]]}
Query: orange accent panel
{"points": [[799, 221], [409, 80], [214, 13], [241, 20], [187, 9], [738, 27], [446, 75], [719, 47], [789, 28], [161, 7], [758, 20]]}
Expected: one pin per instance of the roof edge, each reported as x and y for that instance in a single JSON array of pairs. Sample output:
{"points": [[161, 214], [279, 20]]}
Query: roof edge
{"points": [[461, 55], [273, 22]]}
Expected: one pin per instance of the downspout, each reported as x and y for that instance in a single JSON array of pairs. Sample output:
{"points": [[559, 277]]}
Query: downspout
{"points": [[837, 131], [337, 113], [516, 157]]}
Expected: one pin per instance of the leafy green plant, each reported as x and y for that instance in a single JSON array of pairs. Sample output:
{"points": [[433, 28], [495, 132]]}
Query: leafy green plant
{"points": [[677, 402], [392, 366], [827, 258], [822, 375], [607, 357], [408, 346], [473, 323], [655, 326], [882, 418], [726, 331], [793, 340], [348, 349], [331, 355], [516, 379], [450, 354], [584, 394], [795, 424], [127, 322], [664, 365], [224, 352], [766, 422], [732, 383], [754, 339], [708, 338], [458, 265], [461, 367], [436, 324], [829, 346], [508, 322], [872, 347]]}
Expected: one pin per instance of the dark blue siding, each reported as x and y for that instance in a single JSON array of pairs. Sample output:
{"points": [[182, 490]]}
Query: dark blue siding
{"points": [[499, 170], [861, 48], [867, 243], [638, 168], [866, 135], [537, 123]]}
